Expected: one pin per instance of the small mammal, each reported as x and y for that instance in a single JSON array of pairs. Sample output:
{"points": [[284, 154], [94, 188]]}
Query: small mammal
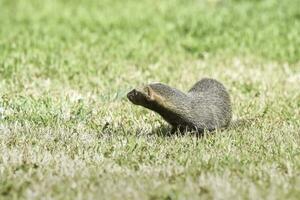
{"points": [[206, 106]]}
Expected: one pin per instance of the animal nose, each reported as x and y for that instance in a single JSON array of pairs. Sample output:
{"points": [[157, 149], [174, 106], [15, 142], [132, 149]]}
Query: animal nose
{"points": [[131, 94]]}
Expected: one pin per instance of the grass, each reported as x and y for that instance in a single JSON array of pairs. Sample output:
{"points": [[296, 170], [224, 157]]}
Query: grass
{"points": [[67, 130]]}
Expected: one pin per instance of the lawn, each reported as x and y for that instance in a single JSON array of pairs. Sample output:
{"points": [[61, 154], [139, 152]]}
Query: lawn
{"points": [[67, 130]]}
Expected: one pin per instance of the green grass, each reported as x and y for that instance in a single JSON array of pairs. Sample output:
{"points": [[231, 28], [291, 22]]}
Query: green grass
{"points": [[67, 130]]}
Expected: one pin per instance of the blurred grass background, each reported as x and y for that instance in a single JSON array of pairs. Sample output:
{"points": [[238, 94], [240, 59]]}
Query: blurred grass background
{"points": [[68, 132]]}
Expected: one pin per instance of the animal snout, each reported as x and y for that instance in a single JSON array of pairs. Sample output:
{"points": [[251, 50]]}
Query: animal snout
{"points": [[131, 94]]}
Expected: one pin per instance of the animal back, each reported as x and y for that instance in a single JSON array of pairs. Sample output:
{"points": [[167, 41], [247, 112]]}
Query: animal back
{"points": [[208, 85]]}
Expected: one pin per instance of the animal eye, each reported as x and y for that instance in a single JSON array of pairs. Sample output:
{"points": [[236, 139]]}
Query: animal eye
{"points": [[148, 91]]}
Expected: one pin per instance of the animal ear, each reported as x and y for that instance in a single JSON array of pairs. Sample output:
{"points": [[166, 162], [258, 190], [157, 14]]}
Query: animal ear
{"points": [[149, 92]]}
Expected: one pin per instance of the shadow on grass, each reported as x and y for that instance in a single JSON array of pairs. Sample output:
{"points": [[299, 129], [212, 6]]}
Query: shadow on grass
{"points": [[162, 131], [167, 131]]}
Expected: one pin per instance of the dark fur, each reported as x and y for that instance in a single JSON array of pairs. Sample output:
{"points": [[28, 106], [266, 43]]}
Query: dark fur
{"points": [[206, 106]]}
